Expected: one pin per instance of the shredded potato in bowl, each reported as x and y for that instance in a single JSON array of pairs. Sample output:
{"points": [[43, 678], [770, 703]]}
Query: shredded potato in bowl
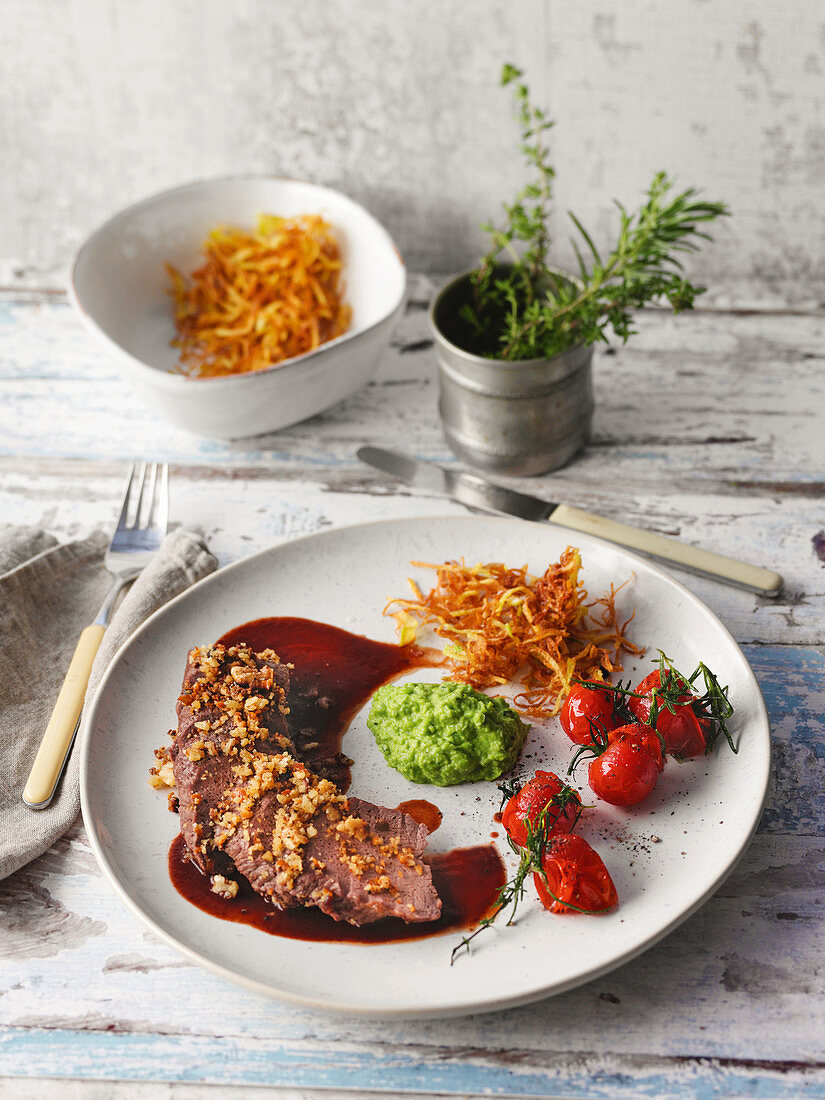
{"points": [[505, 625], [260, 298]]}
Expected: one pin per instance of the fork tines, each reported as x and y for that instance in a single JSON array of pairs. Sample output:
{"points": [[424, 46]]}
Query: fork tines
{"points": [[146, 503]]}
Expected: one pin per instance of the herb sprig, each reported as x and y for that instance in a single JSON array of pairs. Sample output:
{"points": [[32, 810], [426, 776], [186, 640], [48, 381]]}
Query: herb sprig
{"points": [[511, 894], [522, 309], [712, 703]]}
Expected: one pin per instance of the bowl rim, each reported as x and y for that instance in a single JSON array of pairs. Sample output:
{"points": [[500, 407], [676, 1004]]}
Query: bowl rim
{"points": [[169, 379]]}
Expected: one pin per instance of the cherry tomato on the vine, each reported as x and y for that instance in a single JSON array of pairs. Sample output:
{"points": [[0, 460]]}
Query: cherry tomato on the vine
{"points": [[585, 708], [626, 771], [683, 732], [576, 877], [545, 789]]}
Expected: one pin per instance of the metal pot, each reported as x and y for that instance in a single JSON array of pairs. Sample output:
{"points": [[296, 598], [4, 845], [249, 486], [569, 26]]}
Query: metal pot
{"points": [[523, 417]]}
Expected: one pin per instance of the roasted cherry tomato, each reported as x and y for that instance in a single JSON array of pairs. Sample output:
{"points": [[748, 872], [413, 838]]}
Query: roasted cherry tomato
{"points": [[585, 708], [648, 736], [577, 879], [626, 771], [545, 789], [683, 732]]}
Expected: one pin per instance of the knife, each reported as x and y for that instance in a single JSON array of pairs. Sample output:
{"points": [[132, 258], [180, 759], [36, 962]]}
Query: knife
{"points": [[477, 492]]}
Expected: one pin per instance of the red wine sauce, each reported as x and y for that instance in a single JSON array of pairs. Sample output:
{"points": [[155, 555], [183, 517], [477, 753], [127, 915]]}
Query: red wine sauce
{"points": [[422, 811]]}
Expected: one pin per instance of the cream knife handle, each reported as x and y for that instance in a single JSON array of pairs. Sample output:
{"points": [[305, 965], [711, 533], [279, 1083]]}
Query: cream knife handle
{"points": [[57, 740], [691, 558]]}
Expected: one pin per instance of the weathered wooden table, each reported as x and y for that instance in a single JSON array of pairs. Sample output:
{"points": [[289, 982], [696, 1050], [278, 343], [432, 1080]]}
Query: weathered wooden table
{"points": [[709, 427]]}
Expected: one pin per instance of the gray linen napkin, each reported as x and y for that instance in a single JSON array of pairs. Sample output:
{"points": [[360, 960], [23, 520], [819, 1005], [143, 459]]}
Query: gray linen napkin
{"points": [[48, 594]]}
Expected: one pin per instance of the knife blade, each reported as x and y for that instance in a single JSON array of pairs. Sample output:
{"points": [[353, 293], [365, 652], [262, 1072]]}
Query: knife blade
{"points": [[478, 492]]}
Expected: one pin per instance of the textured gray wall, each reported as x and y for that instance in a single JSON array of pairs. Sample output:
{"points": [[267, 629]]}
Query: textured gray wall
{"points": [[397, 103]]}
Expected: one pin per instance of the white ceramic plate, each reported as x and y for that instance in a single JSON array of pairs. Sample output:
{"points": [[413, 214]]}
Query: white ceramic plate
{"points": [[704, 812]]}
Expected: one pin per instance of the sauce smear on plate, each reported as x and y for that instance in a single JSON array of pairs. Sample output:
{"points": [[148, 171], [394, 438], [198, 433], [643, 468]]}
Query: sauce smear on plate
{"points": [[422, 811]]}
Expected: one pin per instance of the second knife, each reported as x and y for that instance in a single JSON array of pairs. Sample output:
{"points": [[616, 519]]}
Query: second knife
{"points": [[477, 492]]}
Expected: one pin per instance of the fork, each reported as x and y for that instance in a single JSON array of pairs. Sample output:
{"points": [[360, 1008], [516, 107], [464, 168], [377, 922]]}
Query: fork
{"points": [[140, 530]]}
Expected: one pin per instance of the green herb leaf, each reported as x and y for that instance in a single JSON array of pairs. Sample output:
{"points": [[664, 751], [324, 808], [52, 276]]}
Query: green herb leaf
{"points": [[521, 309], [512, 892], [712, 703]]}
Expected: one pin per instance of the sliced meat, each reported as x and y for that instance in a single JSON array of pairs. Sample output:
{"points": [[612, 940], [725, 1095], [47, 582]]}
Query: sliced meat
{"points": [[362, 863], [246, 802], [215, 682]]}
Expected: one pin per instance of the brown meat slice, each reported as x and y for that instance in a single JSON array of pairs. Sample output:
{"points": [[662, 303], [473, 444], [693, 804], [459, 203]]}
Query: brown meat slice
{"points": [[361, 866], [246, 802], [202, 770]]}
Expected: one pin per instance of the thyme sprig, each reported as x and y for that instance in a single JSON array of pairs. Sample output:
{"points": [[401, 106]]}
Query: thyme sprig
{"points": [[526, 221], [512, 892], [521, 309]]}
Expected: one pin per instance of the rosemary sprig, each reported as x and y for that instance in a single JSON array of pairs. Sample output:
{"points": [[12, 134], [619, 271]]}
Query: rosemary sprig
{"points": [[621, 710], [713, 703], [512, 892], [521, 309], [599, 742]]}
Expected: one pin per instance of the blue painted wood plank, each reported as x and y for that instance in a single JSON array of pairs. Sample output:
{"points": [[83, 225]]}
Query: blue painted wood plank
{"points": [[792, 679], [185, 1059]]}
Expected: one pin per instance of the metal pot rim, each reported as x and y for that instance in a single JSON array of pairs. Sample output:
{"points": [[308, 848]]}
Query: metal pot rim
{"points": [[507, 364]]}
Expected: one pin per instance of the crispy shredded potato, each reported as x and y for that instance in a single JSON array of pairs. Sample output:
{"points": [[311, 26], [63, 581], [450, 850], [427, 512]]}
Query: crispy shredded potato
{"points": [[259, 298], [504, 625]]}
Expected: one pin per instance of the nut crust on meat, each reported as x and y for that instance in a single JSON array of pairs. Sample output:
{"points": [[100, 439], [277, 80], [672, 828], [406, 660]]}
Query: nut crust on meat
{"points": [[249, 805]]}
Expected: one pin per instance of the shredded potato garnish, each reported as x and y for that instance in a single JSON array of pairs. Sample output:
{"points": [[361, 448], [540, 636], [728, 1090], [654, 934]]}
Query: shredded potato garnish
{"points": [[260, 297], [504, 625]]}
